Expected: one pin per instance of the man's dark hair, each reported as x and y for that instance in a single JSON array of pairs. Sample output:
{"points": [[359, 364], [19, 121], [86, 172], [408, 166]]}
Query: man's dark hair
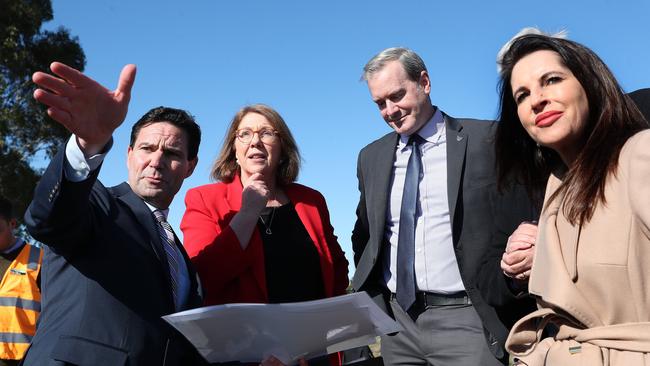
{"points": [[6, 209], [177, 117]]}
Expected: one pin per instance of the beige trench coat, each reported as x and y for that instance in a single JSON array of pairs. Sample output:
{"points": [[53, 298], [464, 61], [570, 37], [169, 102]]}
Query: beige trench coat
{"points": [[593, 281]]}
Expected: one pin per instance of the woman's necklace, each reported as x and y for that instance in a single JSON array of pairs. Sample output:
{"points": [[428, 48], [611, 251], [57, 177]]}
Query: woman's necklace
{"points": [[268, 227]]}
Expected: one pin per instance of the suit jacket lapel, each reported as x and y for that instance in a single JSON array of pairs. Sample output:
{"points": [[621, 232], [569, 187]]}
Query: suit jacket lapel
{"points": [[147, 226], [145, 219], [456, 149], [381, 168]]}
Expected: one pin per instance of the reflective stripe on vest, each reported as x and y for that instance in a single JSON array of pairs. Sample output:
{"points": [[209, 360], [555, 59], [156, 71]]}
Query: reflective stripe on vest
{"points": [[20, 303], [15, 338], [34, 257]]}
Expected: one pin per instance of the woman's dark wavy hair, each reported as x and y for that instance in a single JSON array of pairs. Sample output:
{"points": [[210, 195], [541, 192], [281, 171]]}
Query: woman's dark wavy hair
{"points": [[225, 167], [613, 118]]}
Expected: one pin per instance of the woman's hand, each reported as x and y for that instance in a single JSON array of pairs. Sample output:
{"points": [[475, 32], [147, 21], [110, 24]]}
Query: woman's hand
{"points": [[254, 198], [255, 194], [517, 260]]}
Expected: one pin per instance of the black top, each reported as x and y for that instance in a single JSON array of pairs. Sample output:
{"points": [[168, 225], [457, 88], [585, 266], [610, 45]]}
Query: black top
{"points": [[291, 259]]}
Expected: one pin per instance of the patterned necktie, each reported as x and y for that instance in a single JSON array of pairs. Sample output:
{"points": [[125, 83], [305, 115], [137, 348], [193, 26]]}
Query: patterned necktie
{"points": [[169, 243], [406, 237]]}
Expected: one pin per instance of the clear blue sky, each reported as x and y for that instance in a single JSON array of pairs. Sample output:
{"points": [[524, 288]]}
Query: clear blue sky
{"points": [[304, 58]]}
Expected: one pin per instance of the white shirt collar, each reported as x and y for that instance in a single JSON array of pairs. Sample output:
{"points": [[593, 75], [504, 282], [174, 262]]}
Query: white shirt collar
{"points": [[165, 212], [433, 131]]}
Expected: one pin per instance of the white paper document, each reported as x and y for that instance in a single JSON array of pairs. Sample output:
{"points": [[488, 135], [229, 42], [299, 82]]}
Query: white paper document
{"points": [[252, 332]]}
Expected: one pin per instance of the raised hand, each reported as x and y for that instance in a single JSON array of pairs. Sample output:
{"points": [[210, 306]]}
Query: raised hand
{"points": [[517, 260], [254, 197], [82, 105], [255, 194]]}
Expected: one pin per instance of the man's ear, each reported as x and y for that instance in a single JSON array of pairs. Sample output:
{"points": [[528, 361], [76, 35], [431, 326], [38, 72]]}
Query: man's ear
{"points": [[425, 82], [192, 166], [129, 150]]}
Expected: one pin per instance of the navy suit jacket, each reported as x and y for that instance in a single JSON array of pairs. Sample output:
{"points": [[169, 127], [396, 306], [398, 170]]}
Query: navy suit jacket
{"points": [[482, 218], [105, 281]]}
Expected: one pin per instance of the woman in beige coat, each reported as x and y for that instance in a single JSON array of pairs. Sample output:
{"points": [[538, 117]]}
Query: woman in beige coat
{"points": [[566, 124]]}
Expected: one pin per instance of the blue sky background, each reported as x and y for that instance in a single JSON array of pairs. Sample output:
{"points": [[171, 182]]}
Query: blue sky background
{"points": [[304, 58]]}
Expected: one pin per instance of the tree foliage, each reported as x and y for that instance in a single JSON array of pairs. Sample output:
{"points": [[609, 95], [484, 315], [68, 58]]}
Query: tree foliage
{"points": [[25, 128]]}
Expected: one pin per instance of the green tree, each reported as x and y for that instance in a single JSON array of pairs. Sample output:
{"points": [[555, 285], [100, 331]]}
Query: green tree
{"points": [[25, 127]]}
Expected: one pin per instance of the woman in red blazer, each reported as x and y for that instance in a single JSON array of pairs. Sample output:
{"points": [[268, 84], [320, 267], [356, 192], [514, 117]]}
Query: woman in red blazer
{"points": [[256, 236]]}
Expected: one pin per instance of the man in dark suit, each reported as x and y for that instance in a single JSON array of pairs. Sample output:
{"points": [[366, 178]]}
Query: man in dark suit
{"points": [[428, 216], [112, 265]]}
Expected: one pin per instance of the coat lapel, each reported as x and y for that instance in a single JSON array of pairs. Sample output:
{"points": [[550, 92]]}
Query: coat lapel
{"points": [[456, 149], [381, 168], [144, 218], [554, 268], [147, 226]]}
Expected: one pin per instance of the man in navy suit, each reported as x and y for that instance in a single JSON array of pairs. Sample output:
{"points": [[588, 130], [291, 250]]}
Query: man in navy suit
{"points": [[112, 265]]}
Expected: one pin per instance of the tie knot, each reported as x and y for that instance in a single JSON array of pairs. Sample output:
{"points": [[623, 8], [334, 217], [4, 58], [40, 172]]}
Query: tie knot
{"points": [[415, 140], [160, 216]]}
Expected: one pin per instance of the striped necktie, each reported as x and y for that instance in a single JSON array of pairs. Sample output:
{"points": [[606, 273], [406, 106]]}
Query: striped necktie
{"points": [[169, 243]]}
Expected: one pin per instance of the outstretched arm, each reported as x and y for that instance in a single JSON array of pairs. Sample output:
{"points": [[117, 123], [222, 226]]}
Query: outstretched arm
{"points": [[82, 105], [60, 213]]}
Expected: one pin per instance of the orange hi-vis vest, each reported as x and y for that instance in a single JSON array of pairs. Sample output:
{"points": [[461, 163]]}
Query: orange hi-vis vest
{"points": [[20, 303]]}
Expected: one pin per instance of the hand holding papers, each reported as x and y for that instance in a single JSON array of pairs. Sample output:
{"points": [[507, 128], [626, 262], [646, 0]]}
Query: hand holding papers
{"points": [[251, 332]]}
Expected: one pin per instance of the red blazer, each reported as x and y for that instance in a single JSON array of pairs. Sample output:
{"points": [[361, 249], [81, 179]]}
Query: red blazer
{"points": [[230, 274]]}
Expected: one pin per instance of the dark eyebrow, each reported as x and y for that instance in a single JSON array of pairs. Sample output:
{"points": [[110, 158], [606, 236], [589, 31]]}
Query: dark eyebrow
{"points": [[172, 148], [390, 95], [559, 72], [144, 143], [397, 92], [521, 88], [543, 77]]}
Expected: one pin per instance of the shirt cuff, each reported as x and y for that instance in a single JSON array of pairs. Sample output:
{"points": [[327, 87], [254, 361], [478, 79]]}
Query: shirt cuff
{"points": [[77, 167]]}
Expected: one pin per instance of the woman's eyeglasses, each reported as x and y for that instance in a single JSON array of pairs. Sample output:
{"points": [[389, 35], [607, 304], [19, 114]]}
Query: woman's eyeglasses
{"points": [[267, 135]]}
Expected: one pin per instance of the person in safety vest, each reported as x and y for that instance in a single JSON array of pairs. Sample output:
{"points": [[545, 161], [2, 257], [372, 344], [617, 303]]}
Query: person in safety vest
{"points": [[20, 296]]}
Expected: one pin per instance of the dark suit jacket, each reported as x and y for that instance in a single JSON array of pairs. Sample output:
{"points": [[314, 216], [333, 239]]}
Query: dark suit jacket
{"points": [[642, 99], [478, 226], [105, 279]]}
